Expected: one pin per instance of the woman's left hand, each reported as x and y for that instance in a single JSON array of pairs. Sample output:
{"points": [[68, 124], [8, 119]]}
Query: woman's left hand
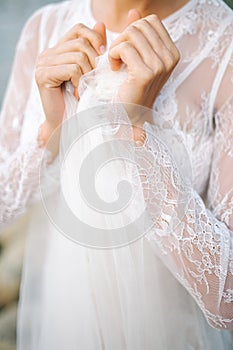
{"points": [[150, 56]]}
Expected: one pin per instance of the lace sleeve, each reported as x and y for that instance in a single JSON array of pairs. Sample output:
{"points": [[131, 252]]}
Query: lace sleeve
{"points": [[19, 160], [199, 250]]}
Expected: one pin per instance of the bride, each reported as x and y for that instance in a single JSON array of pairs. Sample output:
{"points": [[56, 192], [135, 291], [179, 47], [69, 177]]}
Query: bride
{"points": [[161, 93]]}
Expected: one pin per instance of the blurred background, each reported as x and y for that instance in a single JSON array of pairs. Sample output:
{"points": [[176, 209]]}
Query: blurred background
{"points": [[13, 14]]}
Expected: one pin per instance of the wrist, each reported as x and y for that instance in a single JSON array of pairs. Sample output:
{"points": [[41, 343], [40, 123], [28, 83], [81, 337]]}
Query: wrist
{"points": [[49, 137], [53, 104]]}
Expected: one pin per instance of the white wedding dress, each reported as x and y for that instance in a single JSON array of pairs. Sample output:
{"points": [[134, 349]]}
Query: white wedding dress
{"points": [[162, 290]]}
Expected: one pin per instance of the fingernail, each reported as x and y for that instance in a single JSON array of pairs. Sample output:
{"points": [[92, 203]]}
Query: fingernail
{"points": [[139, 143], [102, 49]]}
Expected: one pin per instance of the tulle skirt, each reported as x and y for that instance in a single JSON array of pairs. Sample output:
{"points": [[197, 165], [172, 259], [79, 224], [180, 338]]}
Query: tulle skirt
{"points": [[74, 297]]}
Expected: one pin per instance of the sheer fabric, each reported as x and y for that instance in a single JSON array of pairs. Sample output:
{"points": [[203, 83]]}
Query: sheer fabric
{"points": [[149, 306]]}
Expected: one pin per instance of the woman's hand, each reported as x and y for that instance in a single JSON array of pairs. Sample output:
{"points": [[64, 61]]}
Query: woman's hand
{"points": [[150, 55], [73, 56]]}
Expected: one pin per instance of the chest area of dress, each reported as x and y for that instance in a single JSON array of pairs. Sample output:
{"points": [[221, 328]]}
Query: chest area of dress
{"points": [[186, 111], [185, 104], [185, 107]]}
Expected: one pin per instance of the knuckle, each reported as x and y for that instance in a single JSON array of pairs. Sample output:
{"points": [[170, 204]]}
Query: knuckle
{"points": [[130, 30], [170, 62], [126, 45], [38, 76], [98, 40], [43, 57], [79, 27], [153, 17], [142, 21], [41, 61], [148, 76], [83, 41], [41, 76], [82, 56], [159, 68], [177, 54], [75, 69]]}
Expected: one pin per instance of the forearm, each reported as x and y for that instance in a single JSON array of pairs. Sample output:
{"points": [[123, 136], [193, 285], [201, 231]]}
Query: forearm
{"points": [[19, 180]]}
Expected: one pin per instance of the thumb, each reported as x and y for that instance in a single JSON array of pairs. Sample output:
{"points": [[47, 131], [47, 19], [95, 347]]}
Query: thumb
{"points": [[100, 28], [133, 15]]}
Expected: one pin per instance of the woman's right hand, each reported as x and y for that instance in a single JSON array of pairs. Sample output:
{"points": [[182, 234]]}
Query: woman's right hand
{"points": [[73, 56]]}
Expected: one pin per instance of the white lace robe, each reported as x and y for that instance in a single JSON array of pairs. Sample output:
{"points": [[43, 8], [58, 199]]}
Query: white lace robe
{"points": [[198, 100]]}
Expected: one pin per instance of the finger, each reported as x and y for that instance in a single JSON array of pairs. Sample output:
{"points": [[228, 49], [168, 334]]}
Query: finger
{"points": [[146, 39], [78, 45], [145, 27], [80, 30], [125, 52], [100, 28], [75, 77], [133, 15], [79, 58], [76, 94], [162, 32], [143, 46], [147, 49], [53, 77], [148, 43]]}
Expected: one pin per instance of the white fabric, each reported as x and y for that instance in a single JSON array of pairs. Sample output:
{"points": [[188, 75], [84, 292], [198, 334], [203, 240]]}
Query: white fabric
{"points": [[75, 297]]}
